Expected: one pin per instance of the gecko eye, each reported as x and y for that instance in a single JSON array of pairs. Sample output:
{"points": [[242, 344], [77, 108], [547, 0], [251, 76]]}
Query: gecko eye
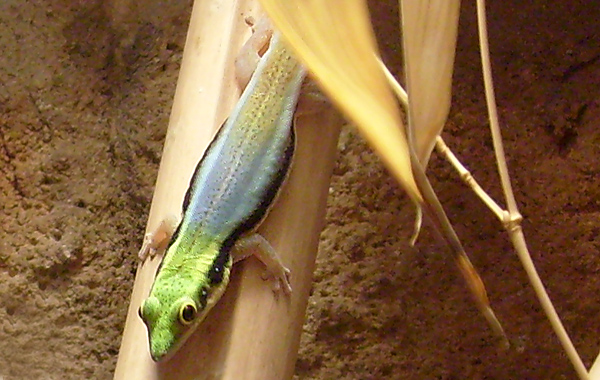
{"points": [[187, 314]]}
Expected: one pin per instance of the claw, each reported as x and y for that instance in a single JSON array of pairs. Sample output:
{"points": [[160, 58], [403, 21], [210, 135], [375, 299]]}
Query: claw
{"points": [[147, 249]]}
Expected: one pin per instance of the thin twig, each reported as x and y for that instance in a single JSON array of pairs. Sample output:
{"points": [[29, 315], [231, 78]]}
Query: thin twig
{"points": [[513, 222], [511, 218], [403, 96], [443, 226], [468, 178]]}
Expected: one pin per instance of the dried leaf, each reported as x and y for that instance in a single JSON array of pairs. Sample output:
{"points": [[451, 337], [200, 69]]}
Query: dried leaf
{"points": [[429, 29], [335, 40]]}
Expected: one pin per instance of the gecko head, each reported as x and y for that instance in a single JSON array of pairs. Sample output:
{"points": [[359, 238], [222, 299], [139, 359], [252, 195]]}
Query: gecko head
{"points": [[178, 303]]}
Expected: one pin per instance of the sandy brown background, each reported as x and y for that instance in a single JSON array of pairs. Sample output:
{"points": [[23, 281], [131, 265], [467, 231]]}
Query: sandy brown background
{"points": [[85, 94]]}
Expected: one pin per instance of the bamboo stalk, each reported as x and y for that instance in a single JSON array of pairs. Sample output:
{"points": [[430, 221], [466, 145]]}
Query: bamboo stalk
{"points": [[250, 334]]}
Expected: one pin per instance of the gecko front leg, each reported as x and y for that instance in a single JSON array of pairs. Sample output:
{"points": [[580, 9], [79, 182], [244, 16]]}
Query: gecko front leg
{"points": [[158, 239], [255, 244]]}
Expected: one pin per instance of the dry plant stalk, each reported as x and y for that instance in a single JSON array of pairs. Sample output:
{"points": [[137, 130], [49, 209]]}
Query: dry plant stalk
{"points": [[335, 42], [595, 370], [513, 221], [250, 334], [510, 218], [429, 37], [314, 22]]}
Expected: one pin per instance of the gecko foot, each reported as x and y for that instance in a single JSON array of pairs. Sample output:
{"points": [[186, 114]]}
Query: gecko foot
{"points": [[158, 239], [148, 247], [258, 246], [281, 281]]}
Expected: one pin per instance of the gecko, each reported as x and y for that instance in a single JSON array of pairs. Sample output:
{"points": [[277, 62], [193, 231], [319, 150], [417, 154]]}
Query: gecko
{"points": [[233, 186]]}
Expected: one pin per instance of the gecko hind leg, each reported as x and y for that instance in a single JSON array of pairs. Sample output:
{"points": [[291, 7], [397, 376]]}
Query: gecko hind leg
{"points": [[249, 55]]}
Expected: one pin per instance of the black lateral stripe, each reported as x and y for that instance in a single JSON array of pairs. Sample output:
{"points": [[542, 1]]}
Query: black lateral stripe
{"points": [[222, 258], [261, 210], [188, 193], [218, 267], [190, 190], [270, 194], [217, 270]]}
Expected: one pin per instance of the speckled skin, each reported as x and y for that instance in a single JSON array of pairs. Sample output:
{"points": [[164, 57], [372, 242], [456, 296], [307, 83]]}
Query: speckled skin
{"points": [[230, 192]]}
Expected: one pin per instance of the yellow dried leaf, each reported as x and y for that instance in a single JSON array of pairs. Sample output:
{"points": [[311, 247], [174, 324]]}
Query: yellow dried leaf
{"points": [[429, 29], [335, 41]]}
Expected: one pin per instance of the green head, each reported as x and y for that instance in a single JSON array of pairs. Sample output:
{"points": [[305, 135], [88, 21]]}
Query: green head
{"points": [[186, 287]]}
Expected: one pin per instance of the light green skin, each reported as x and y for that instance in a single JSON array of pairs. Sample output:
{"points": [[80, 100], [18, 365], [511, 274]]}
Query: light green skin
{"points": [[233, 186], [185, 275]]}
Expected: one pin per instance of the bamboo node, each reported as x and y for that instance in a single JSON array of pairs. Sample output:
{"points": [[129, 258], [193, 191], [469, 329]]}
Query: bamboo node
{"points": [[512, 221]]}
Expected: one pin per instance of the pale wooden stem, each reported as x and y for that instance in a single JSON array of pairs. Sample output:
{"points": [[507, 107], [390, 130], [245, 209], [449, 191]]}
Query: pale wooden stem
{"points": [[513, 227], [396, 87], [195, 115], [595, 370], [516, 235], [468, 178], [403, 96], [250, 334], [512, 224]]}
